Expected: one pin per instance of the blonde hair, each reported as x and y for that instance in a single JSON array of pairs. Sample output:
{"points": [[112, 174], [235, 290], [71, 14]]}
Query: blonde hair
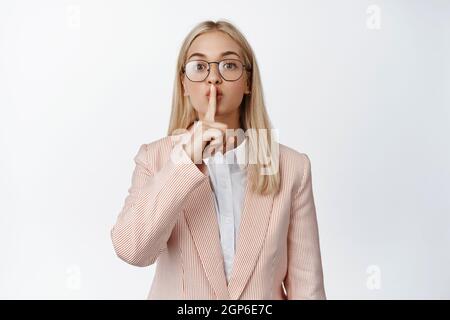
{"points": [[253, 114]]}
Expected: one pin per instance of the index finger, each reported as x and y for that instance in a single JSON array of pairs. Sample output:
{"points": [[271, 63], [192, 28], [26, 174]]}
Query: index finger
{"points": [[210, 113]]}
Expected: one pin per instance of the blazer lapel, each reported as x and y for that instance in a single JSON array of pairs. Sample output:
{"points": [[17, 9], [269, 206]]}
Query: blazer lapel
{"points": [[201, 217], [252, 232], [200, 214]]}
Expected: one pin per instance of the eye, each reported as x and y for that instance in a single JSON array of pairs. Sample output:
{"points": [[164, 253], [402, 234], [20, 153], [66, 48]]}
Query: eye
{"points": [[230, 65], [199, 67]]}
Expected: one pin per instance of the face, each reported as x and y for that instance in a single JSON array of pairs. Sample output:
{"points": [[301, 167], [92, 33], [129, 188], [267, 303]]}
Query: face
{"points": [[210, 47]]}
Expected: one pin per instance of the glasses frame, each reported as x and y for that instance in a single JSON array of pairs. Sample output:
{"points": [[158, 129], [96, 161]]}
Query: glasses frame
{"points": [[244, 67]]}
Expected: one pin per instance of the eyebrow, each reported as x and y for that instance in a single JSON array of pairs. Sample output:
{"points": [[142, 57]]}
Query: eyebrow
{"points": [[226, 53]]}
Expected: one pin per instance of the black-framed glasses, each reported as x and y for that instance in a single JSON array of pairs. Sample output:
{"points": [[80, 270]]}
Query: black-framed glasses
{"points": [[229, 69]]}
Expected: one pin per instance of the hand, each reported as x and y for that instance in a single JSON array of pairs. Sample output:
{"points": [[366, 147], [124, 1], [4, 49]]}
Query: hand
{"points": [[206, 132]]}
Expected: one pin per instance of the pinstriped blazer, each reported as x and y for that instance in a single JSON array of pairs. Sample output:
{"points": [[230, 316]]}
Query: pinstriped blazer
{"points": [[169, 218]]}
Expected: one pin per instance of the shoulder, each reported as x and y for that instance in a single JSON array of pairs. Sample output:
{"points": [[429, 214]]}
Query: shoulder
{"points": [[293, 157], [294, 165], [153, 154]]}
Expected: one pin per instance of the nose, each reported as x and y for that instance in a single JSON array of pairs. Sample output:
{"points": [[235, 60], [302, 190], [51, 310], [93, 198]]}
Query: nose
{"points": [[214, 75]]}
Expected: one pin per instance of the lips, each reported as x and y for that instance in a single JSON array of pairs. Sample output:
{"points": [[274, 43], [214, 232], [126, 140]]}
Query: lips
{"points": [[219, 92], [218, 98]]}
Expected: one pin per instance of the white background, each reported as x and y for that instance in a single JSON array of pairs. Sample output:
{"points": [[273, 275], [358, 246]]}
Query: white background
{"points": [[362, 87]]}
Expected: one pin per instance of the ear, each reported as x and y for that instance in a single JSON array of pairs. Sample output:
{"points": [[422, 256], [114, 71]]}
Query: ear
{"points": [[247, 90], [248, 87], [185, 93]]}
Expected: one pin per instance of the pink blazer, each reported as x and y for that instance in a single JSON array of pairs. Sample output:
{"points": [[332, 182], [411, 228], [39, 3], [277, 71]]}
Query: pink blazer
{"points": [[169, 217]]}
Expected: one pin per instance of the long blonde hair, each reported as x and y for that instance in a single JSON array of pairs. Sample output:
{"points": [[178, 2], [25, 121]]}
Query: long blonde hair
{"points": [[253, 114]]}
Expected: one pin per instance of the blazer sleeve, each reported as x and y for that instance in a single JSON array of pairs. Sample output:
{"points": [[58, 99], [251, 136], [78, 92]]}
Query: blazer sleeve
{"points": [[304, 279], [153, 205]]}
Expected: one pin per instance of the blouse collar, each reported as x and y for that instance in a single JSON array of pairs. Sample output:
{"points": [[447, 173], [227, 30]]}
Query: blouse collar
{"points": [[235, 157]]}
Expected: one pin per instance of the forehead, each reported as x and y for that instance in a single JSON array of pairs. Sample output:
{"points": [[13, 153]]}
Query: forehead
{"points": [[213, 44]]}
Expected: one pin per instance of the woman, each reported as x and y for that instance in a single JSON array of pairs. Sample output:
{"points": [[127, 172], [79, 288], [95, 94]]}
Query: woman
{"points": [[217, 229]]}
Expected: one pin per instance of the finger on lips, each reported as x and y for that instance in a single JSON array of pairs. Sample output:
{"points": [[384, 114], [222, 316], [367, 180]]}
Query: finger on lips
{"points": [[210, 113]]}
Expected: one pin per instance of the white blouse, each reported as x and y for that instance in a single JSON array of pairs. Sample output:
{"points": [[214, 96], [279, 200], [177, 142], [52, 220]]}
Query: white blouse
{"points": [[228, 177]]}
